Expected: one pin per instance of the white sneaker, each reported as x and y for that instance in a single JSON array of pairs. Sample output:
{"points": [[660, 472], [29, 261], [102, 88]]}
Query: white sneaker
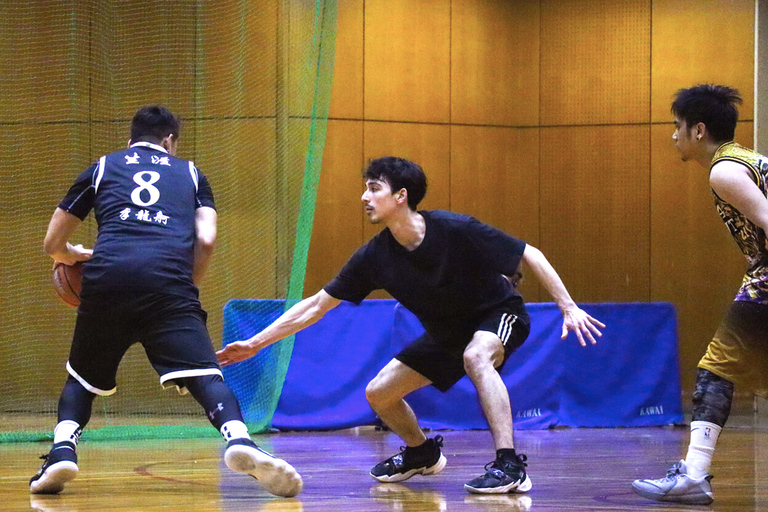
{"points": [[277, 476], [677, 487]]}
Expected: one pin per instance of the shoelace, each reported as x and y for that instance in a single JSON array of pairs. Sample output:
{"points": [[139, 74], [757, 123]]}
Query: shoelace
{"points": [[437, 439], [673, 471], [496, 464]]}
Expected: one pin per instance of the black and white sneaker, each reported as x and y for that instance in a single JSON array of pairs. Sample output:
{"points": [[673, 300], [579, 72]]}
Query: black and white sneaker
{"points": [[277, 476], [424, 460], [59, 467], [502, 476]]}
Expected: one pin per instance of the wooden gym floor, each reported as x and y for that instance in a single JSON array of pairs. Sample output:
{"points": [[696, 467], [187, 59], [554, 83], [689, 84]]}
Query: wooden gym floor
{"points": [[571, 469]]}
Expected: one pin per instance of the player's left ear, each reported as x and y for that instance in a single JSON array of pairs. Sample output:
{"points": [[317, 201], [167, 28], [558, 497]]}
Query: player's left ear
{"points": [[402, 195], [699, 131]]}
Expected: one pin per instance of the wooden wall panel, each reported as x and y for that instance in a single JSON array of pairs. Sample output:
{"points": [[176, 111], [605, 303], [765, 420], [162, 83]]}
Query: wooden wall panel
{"points": [[247, 221], [495, 62], [347, 91], [407, 54], [595, 61], [36, 334], [44, 61], [613, 201], [299, 51], [694, 262], [232, 26], [701, 42], [495, 178], [139, 71], [338, 226], [595, 210]]}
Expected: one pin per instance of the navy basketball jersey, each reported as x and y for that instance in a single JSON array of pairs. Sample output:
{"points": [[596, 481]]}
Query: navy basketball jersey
{"points": [[144, 201]]}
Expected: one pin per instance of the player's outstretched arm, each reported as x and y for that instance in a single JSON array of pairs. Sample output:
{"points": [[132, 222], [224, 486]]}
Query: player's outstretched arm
{"points": [[574, 318], [301, 315], [56, 245]]}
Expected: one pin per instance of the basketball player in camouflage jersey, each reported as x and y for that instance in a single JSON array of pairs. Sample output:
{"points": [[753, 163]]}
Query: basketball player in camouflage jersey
{"points": [[449, 270], [705, 121], [157, 228]]}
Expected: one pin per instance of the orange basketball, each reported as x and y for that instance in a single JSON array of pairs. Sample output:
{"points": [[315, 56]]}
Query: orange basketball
{"points": [[68, 281]]}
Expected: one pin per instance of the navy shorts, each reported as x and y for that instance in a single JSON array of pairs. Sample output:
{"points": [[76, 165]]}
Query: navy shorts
{"points": [[442, 361], [171, 329]]}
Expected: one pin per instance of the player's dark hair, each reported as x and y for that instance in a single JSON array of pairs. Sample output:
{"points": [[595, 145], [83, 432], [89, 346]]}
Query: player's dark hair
{"points": [[153, 123], [713, 105], [399, 173]]}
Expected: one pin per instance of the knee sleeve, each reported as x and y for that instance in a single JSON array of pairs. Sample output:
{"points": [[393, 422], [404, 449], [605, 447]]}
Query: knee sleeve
{"points": [[218, 401], [712, 398], [75, 403]]}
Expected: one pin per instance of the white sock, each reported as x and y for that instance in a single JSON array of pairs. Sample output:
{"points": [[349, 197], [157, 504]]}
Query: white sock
{"points": [[66, 430], [234, 429], [703, 440]]}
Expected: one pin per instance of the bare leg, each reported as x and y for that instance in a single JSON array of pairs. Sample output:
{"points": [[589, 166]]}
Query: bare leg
{"points": [[385, 395], [481, 357]]}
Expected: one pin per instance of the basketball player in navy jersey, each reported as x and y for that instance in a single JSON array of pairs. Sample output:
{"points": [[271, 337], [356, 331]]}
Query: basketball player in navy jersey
{"points": [[449, 270], [157, 228]]}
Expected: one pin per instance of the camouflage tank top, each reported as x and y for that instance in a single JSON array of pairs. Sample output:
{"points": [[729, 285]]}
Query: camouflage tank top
{"points": [[750, 238]]}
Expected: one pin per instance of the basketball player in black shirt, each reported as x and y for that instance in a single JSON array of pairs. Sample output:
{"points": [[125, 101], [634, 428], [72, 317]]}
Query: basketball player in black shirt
{"points": [[157, 228], [449, 270]]}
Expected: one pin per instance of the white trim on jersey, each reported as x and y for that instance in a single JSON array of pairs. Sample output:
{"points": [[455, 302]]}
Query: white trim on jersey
{"points": [[99, 173], [180, 374], [146, 144], [94, 390], [193, 173], [505, 327]]}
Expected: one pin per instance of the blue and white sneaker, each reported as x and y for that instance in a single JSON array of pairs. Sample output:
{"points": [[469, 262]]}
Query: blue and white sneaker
{"points": [[277, 476], [677, 487], [60, 467]]}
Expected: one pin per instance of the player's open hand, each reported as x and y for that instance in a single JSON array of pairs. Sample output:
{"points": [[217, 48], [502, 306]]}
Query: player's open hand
{"points": [[577, 320], [236, 352]]}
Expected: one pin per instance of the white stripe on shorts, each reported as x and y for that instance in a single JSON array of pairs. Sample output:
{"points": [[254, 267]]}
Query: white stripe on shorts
{"points": [[180, 374], [505, 327], [84, 383]]}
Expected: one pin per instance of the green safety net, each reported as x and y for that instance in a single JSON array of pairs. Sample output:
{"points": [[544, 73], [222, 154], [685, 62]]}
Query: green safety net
{"points": [[251, 82]]}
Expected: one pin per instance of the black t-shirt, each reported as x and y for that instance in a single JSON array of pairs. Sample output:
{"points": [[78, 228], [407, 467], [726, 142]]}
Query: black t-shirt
{"points": [[144, 201], [449, 281]]}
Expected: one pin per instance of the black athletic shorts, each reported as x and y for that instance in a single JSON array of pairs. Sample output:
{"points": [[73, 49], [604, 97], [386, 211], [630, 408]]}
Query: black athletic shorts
{"points": [[442, 361], [170, 327]]}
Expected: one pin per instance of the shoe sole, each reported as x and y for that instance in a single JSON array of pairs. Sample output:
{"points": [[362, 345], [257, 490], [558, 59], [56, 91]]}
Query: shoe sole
{"points": [[692, 499], [513, 488], [431, 470], [275, 475], [53, 479]]}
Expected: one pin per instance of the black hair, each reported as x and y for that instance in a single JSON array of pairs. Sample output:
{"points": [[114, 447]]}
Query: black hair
{"points": [[713, 105], [153, 123], [399, 173]]}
